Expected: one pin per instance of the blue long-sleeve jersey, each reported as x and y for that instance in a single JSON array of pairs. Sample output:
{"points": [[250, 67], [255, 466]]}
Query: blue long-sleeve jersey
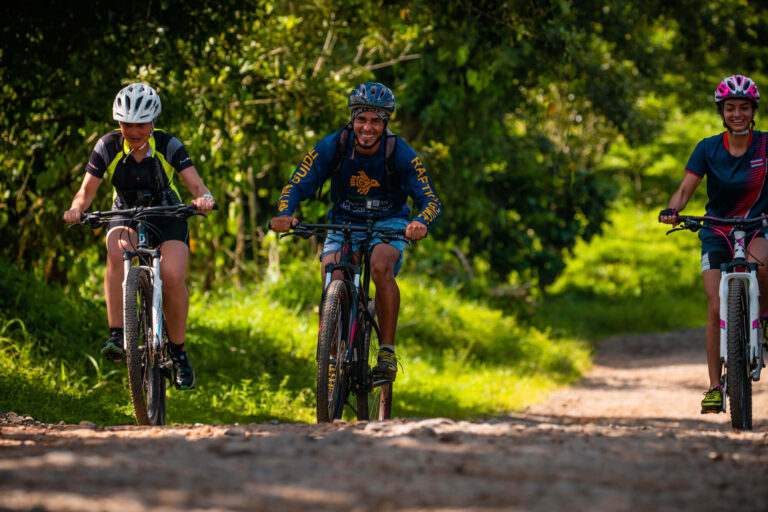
{"points": [[360, 178]]}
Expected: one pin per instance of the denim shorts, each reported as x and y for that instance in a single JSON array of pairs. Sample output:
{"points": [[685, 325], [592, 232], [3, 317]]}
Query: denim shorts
{"points": [[334, 238]]}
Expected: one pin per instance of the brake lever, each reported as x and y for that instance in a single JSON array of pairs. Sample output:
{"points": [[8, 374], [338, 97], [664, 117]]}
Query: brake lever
{"points": [[694, 227]]}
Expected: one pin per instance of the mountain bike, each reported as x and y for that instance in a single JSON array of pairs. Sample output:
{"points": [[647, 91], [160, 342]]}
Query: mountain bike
{"points": [[347, 344], [741, 337], [145, 338]]}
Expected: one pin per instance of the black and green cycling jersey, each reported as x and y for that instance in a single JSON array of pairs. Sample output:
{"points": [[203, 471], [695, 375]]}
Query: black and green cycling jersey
{"points": [[111, 157]]}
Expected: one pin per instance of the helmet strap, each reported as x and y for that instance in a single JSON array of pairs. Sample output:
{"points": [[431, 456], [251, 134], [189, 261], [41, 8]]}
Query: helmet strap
{"points": [[742, 132], [369, 146]]}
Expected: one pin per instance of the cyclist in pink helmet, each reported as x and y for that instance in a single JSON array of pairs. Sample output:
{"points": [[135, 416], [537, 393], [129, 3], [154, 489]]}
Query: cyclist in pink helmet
{"points": [[737, 87], [734, 163]]}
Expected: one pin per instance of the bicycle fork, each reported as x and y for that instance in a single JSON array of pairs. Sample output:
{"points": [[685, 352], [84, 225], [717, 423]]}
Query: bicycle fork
{"points": [[754, 353], [157, 292]]}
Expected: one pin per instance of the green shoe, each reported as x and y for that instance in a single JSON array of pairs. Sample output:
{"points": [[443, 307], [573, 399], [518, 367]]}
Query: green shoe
{"points": [[386, 365], [713, 401], [183, 375], [112, 348]]}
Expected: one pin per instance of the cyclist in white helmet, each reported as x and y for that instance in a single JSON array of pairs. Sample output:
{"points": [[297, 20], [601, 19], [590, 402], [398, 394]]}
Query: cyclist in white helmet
{"points": [[734, 163], [142, 163]]}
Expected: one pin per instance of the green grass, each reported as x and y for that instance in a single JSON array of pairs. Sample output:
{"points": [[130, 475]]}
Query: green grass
{"points": [[254, 356], [633, 278], [254, 348]]}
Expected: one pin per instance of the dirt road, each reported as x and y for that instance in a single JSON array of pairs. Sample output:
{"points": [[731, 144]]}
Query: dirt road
{"points": [[629, 437]]}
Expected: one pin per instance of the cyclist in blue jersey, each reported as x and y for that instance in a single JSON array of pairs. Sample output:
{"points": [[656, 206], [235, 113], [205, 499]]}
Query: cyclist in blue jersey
{"points": [[734, 163], [143, 162], [373, 164]]}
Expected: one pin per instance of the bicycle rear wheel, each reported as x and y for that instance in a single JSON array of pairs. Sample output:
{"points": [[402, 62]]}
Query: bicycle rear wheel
{"points": [[145, 380], [331, 351], [737, 372], [377, 403]]}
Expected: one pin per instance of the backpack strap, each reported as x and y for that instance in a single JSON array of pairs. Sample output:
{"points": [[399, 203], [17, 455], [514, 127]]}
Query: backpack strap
{"points": [[342, 144], [338, 156], [390, 141]]}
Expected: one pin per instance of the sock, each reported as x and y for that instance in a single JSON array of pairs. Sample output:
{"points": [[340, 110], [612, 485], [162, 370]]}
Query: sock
{"points": [[115, 330], [388, 348], [176, 349]]}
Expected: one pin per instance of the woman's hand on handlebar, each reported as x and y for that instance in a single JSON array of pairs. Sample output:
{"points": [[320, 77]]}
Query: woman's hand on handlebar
{"points": [[669, 216], [72, 216], [283, 223], [205, 203], [415, 230]]}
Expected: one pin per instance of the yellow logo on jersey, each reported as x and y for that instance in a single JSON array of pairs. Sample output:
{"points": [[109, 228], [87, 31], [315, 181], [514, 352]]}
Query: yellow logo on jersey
{"points": [[363, 183]]}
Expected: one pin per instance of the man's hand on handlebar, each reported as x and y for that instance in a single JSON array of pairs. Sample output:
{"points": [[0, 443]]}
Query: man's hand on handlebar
{"points": [[415, 230], [283, 223]]}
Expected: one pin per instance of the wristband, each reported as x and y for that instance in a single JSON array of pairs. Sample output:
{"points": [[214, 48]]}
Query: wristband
{"points": [[207, 196]]}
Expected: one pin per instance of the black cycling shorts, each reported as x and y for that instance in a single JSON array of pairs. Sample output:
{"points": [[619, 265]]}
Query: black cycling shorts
{"points": [[713, 259], [160, 228]]}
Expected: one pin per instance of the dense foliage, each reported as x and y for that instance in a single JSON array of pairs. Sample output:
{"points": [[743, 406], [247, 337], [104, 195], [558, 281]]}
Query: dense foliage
{"points": [[512, 105]]}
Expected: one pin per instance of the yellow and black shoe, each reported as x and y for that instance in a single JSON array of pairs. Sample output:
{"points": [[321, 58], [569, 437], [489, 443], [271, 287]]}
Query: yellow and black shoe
{"points": [[386, 365], [713, 401], [331, 376]]}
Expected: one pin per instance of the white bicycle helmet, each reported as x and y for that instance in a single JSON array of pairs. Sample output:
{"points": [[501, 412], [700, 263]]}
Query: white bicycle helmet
{"points": [[136, 103]]}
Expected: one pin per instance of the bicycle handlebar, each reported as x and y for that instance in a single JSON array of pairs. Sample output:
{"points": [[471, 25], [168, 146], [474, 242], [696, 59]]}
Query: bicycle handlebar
{"points": [[181, 211], [695, 223], [307, 230]]}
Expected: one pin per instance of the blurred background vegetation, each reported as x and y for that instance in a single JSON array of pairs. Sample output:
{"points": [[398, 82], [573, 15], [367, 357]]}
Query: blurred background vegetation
{"points": [[553, 131]]}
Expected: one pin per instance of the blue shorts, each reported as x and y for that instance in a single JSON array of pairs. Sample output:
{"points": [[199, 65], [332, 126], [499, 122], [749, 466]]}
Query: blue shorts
{"points": [[334, 238]]}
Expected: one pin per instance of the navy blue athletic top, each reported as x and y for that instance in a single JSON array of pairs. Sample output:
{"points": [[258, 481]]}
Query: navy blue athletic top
{"points": [[360, 178], [736, 186]]}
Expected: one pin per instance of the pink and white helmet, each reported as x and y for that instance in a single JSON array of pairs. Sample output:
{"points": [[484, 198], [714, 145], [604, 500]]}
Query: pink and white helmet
{"points": [[737, 86]]}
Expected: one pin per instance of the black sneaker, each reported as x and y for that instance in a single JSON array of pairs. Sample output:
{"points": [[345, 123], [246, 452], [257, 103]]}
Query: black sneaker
{"points": [[112, 349], [183, 375], [386, 365]]}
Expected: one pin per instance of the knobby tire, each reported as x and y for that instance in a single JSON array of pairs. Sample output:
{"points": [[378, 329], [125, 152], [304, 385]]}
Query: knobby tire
{"points": [[331, 341], [145, 378], [377, 403], [737, 373]]}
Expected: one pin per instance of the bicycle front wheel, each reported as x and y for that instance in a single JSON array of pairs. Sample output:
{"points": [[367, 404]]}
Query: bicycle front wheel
{"points": [[145, 380], [737, 371], [332, 372], [377, 403]]}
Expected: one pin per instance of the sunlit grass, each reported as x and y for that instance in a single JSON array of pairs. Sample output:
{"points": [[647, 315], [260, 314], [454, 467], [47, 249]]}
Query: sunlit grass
{"points": [[253, 349]]}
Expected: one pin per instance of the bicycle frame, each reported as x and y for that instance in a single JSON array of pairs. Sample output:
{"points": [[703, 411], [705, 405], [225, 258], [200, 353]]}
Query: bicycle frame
{"points": [[143, 249], [737, 270], [360, 282], [741, 270]]}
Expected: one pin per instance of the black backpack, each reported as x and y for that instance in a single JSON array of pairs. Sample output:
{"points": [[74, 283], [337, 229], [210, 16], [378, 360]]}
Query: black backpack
{"points": [[342, 144]]}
